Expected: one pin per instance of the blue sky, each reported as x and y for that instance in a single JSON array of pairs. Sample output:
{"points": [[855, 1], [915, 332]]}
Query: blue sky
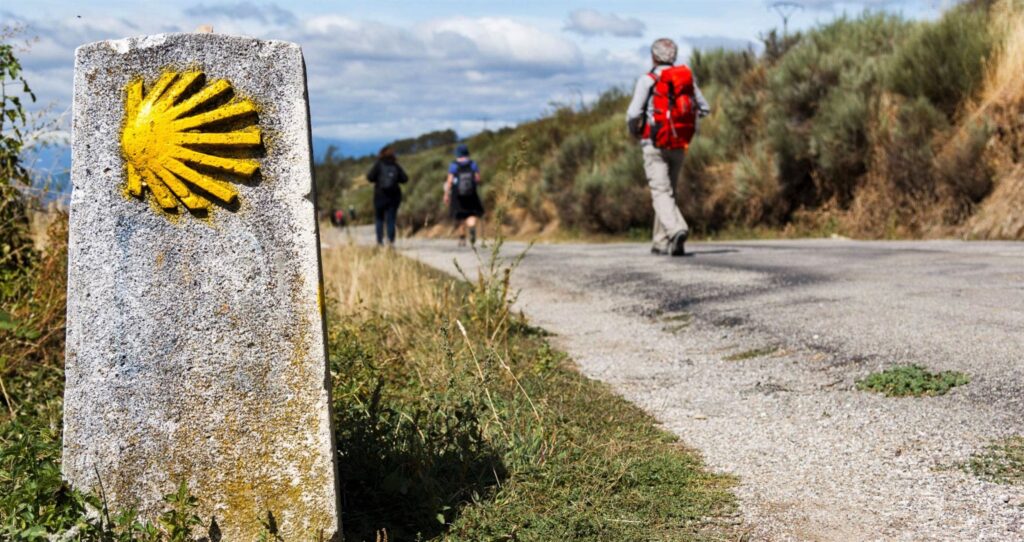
{"points": [[384, 70]]}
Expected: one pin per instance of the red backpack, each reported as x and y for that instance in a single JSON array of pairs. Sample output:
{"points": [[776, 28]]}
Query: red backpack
{"points": [[674, 111]]}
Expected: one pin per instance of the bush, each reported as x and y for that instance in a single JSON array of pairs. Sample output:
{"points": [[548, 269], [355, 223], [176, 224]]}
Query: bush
{"points": [[818, 106], [757, 186], [721, 66], [903, 145], [944, 61], [613, 198], [16, 251]]}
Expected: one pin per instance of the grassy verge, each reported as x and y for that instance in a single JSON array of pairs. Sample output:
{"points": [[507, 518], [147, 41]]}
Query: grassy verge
{"points": [[458, 421], [912, 381]]}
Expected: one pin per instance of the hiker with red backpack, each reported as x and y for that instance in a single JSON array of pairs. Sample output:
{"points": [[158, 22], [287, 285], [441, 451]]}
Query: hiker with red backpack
{"points": [[460, 193], [663, 115], [386, 176]]}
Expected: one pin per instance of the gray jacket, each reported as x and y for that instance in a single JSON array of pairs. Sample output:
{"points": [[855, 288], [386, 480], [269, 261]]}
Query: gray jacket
{"points": [[641, 102]]}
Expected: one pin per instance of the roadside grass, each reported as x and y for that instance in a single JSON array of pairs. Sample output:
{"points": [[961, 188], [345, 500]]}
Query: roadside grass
{"points": [[458, 421], [912, 381], [455, 420], [753, 353], [1001, 462]]}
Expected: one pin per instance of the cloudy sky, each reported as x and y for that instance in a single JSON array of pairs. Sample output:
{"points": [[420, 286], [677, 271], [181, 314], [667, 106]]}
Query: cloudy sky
{"points": [[384, 70]]}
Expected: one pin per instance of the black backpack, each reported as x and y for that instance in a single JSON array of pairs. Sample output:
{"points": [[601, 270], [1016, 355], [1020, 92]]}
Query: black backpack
{"points": [[387, 176], [465, 179]]}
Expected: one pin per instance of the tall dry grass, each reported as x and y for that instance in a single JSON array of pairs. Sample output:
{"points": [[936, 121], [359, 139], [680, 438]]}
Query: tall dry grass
{"points": [[1001, 105], [1004, 79], [379, 281]]}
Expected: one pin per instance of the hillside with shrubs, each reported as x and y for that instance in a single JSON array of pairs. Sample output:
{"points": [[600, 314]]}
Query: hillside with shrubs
{"points": [[869, 126]]}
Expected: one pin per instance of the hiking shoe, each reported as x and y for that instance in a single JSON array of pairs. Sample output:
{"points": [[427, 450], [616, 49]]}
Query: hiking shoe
{"points": [[677, 246]]}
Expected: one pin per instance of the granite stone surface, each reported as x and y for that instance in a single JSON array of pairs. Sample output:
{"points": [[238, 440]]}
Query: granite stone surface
{"points": [[195, 341]]}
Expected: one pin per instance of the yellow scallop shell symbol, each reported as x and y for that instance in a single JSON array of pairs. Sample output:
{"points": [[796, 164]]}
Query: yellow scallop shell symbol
{"points": [[172, 146]]}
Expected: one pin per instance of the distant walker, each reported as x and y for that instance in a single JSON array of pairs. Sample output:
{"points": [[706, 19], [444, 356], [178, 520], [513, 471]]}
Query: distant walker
{"points": [[386, 176], [461, 193]]}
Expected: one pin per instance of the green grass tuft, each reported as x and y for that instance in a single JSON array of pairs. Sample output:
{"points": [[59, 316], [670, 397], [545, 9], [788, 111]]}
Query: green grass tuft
{"points": [[1001, 462], [912, 381], [754, 353]]}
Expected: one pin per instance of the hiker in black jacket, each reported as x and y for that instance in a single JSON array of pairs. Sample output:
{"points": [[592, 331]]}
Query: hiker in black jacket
{"points": [[386, 176]]}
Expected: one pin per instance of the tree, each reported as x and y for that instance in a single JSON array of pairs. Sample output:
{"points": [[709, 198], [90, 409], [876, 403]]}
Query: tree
{"points": [[16, 251]]}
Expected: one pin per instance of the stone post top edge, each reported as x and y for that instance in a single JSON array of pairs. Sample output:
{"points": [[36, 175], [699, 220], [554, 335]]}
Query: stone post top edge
{"points": [[127, 44]]}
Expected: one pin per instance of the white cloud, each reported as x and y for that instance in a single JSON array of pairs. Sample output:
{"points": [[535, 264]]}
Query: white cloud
{"points": [[266, 13], [505, 41], [371, 80], [590, 22]]}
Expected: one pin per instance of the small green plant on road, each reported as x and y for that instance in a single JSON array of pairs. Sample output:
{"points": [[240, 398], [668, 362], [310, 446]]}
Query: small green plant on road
{"points": [[912, 381], [753, 353], [1001, 462]]}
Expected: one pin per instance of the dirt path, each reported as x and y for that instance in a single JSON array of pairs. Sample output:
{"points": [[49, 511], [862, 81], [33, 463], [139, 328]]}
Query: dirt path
{"points": [[817, 459]]}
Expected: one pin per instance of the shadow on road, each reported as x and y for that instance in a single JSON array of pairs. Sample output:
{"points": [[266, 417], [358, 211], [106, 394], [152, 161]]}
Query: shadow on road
{"points": [[694, 253]]}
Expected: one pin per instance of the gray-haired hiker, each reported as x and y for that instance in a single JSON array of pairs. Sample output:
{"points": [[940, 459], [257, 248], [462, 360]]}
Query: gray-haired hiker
{"points": [[663, 115]]}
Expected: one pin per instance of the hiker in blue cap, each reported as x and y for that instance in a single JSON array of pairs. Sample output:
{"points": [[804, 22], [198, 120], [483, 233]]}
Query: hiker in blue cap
{"points": [[460, 193]]}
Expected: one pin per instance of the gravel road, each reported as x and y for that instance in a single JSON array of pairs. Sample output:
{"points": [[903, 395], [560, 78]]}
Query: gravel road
{"points": [[816, 459]]}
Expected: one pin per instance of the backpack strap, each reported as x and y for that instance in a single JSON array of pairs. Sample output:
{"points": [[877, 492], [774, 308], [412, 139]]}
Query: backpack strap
{"points": [[647, 100]]}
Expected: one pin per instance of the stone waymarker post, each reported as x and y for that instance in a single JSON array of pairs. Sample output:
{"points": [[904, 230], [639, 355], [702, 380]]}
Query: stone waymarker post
{"points": [[195, 348]]}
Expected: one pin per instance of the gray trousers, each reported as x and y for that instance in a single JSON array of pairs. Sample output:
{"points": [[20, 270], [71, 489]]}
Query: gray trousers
{"points": [[662, 168]]}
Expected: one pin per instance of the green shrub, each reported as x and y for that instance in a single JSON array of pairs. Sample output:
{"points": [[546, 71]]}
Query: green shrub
{"points": [[757, 187], [613, 198], [721, 66], [944, 61], [777, 45], [903, 147], [819, 96], [16, 251], [961, 168]]}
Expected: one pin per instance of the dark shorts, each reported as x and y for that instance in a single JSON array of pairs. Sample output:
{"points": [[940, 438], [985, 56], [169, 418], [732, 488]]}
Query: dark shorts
{"points": [[463, 207]]}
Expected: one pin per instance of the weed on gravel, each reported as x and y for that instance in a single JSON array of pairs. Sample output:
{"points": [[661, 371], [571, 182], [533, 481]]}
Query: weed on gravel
{"points": [[912, 381], [754, 353], [1001, 462], [676, 322]]}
